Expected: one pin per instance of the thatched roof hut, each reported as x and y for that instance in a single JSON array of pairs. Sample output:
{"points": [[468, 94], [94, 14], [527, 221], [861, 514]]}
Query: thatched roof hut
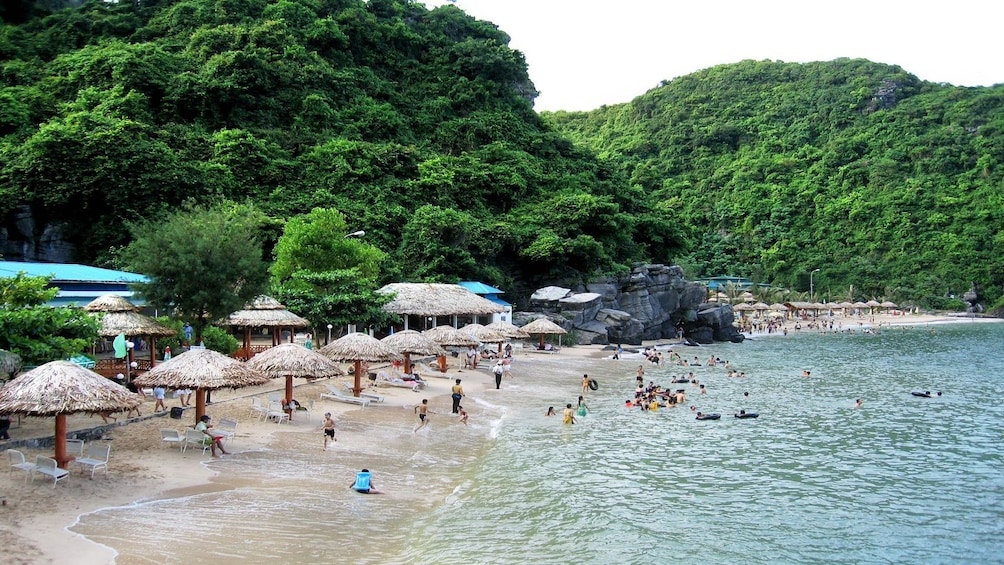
{"points": [[429, 299], [202, 370], [111, 303], [119, 316], [59, 388], [358, 347], [264, 312], [290, 360]]}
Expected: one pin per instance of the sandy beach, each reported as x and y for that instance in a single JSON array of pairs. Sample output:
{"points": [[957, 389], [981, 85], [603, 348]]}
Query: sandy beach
{"points": [[35, 517]]}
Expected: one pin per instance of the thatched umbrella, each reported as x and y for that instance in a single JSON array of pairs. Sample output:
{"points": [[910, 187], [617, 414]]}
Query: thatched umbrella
{"points": [[483, 334], [10, 363], [432, 300], [888, 305], [202, 370], [265, 312], [59, 388], [119, 316], [508, 329], [294, 360], [407, 342], [448, 336], [543, 326], [358, 347]]}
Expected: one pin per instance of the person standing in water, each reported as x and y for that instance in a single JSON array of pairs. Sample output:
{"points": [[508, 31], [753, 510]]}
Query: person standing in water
{"points": [[568, 416], [463, 415], [423, 413], [582, 409], [329, 429], [458, 393], [585, 384]]}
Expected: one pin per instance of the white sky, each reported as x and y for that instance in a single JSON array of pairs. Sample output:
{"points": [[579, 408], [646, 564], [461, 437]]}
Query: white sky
{"points": [[586, 53]]}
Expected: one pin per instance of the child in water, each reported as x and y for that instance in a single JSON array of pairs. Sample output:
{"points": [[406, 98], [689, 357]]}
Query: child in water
{"points": [[568, 416], [550, 411]]}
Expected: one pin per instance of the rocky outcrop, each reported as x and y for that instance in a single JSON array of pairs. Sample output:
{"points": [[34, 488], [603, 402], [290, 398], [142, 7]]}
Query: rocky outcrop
{"points": [[651, 302]]}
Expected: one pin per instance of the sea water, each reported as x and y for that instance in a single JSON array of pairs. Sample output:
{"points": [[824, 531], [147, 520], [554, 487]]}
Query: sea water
{"points": [[812, 480]]}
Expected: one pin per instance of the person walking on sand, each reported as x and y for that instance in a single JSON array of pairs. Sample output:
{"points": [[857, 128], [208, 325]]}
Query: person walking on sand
{"points": [[158, 393], [329, 429], [458, 393], [423, 414], [498, 369], [568, 415], [507, 368]]}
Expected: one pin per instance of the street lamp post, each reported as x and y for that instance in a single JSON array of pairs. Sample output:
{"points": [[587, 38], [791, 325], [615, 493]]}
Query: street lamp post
{"points": [[358, 233], [329, 335], [811, 288]]}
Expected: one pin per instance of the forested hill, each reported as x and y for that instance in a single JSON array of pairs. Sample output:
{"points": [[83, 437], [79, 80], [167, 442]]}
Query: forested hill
{"points": [[878, 179], [417, 124]]}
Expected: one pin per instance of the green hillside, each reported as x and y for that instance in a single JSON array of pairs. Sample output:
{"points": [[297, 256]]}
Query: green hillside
{"points": [[417, 124], [882, 181]]}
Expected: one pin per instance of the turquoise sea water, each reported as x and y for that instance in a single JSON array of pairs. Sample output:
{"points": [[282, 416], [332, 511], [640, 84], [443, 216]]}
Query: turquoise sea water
{"points": [[812, 480]]}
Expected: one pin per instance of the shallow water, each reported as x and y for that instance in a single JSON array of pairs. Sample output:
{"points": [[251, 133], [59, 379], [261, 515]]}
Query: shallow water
{"points": [[902, 479]]}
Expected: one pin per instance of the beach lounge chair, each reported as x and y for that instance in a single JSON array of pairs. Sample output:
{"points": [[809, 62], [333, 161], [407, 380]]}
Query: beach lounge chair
{"points": [[392, 379], [226, 428], [17, 461], [84, 361], [275, 412], [339, 396], [197, 438], [47, 466], [97, 458], [362, 394], [169, 436]]}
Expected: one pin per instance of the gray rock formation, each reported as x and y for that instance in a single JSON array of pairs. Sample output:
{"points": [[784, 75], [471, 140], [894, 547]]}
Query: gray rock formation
{"points": [[651, 302]]}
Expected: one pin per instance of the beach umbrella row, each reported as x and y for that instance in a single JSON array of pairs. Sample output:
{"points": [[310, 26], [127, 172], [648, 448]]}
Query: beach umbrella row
{"points": [[290, 360], [356, 348]]}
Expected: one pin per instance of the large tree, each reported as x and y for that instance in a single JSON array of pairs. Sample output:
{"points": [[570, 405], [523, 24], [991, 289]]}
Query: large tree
{"points": [[203, 263], [36, 332]]}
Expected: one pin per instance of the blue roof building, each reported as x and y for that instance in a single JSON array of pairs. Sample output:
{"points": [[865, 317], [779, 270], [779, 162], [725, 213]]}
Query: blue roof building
{"points": [[77, 284], [490, 293]]}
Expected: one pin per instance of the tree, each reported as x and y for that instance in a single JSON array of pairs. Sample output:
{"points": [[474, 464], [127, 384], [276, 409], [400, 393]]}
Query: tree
{"points": [[338, 298], [204, 263], [36, 332]]}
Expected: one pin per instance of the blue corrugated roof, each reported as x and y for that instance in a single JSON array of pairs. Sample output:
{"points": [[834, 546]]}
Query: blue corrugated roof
{"points": [[480, 287], [498, 301], [68, 272]]}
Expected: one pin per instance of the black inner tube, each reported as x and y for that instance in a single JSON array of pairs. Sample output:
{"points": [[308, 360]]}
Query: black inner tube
{"points": [[593, 385]]}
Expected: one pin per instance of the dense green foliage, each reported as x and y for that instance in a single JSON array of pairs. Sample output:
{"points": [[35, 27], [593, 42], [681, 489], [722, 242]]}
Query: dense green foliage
{"points": [[416, 124], [203, 263], [882, 181], [36, 332]]}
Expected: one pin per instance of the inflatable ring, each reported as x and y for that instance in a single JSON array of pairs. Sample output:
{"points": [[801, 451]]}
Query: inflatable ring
{"points": [[593, 385], [709, 417], [748, 415]]}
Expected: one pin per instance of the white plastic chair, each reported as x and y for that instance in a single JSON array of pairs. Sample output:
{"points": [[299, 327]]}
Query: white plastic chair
{"points": [[47, 466], [276, 412], [226, 428], [308, 409], [97, 458], [258, 410], [169, 436], [195, 437], [17, 461], [75, 447]]}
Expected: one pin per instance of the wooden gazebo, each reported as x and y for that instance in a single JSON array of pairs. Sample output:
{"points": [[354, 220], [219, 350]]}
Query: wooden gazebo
{"points": [[264, 312], [121, 317]]}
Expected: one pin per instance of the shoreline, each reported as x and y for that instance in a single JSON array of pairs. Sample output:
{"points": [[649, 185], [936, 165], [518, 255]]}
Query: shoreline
{"points": [[37, 521]]}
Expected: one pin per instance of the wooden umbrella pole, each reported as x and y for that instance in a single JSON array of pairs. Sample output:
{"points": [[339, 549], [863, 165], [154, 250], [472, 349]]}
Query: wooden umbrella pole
{"points": [[407, 363], [200, 404], [358, 388], [61, 457], [289, 388], [541, 341], [153, 350]]}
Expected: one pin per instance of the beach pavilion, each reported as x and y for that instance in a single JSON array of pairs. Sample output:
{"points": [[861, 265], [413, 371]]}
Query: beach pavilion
{"points": [[121, 317], [264, 312], [430, 301]]}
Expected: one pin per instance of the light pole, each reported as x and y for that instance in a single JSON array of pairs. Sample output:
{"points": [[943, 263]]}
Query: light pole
{"points": [[811, 288], [359, 233], [329, 335]]}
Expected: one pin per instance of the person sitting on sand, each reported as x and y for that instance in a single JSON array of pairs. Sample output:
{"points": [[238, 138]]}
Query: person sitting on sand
{"points": [[364, 483]]}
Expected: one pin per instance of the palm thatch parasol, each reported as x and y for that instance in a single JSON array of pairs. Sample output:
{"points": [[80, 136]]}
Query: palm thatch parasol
{"points": [[429, 299], [483, 334], [10, 363], [294, 360], [543, 326], [202, 370], [508, 329], [887, 305], [409, 341], [358, 347], [59, 388], [264, 312], [449, 336]]}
